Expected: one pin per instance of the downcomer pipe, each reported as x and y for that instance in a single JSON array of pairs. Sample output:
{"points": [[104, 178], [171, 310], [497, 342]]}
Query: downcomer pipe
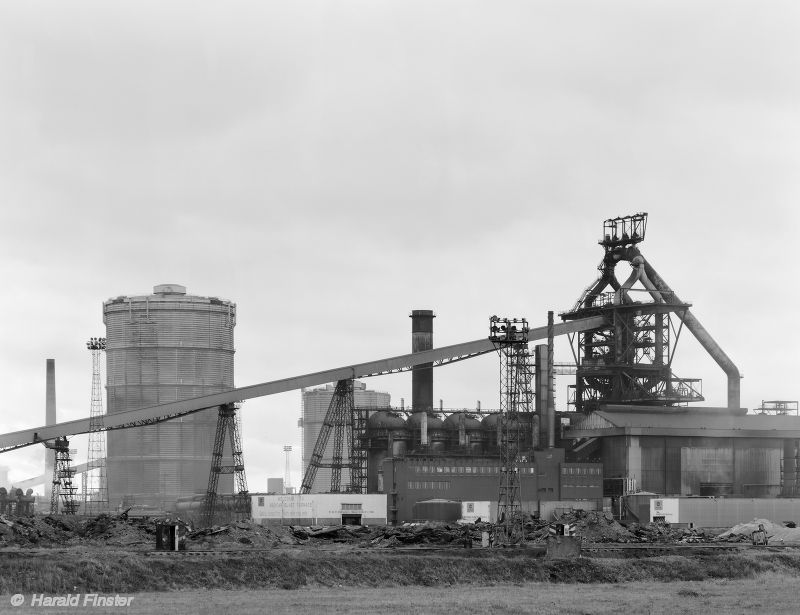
{"points": [[702, 336]]}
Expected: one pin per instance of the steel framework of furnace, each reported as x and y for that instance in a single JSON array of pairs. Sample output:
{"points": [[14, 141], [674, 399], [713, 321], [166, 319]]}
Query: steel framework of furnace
{"points": [[95, 487], [348, 425], [227, 425], [628, 361], [63, 473], [510, 337]]}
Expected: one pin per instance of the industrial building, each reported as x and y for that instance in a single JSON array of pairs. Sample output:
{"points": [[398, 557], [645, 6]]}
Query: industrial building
{"points": [[628, 427], [162, 348], [458, 457], [318, 509], [694, 451], [315, 406]]}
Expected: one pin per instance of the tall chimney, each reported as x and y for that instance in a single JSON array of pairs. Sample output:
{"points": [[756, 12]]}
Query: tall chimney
{"points": [[422, 375], [49, 419], [541, 393]]}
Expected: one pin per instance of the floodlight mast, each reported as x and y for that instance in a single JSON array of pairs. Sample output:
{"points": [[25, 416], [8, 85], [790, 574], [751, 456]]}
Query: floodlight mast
{"points": [[510, 338]]}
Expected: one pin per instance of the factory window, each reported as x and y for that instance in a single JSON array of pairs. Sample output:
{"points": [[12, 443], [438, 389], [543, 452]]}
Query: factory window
{"points": [[260, 501], [468, 470], [564, 471], [439, 469], [351, 506]]}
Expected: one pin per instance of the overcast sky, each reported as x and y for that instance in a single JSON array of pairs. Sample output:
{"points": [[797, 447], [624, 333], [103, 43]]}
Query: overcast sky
{"points": [[330, 166]]}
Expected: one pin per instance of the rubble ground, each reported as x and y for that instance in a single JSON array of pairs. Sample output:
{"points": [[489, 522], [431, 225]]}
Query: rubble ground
{"points": [[138, 534], [777, 533]]}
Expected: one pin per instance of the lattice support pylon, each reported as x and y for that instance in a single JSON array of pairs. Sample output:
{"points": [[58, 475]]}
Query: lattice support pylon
{"points": [[63, 488], [358, 451], [227, 425], [339, 421], [95, 487], [510, 337]]}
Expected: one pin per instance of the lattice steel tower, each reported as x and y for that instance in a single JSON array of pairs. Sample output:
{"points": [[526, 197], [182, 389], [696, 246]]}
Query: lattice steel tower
{"points": [[510, 337], [95, 492], [63, 488], [227, 426], [347, 423]]}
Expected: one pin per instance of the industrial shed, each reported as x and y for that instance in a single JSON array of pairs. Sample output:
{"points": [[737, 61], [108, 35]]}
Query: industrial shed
{"points": [[694, 451]]}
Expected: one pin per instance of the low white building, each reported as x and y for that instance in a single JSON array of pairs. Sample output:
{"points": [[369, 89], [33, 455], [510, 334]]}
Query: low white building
{"points": [[319, 509], [473, 511], [723, 512]]}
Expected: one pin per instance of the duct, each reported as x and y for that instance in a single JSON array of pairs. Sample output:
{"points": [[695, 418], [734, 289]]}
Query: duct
{"points": [[622, 292], [638, 274], [702, 336]]}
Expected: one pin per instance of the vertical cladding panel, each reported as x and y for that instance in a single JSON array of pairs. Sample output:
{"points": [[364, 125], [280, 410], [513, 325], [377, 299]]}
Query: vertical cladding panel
{"points": [[673, 469], [757, 469], [614, 457], [653, 464], [163, 348], [705, 465]]}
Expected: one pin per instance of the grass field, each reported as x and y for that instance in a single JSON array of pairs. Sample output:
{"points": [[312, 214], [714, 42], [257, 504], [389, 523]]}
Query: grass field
{"points": [[762, 594], [62, 571]]}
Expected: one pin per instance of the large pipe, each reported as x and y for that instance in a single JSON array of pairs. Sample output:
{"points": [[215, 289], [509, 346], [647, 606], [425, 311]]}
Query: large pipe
{"points": [[702, 336], [49, 419], [422, 375], [551, 404]]}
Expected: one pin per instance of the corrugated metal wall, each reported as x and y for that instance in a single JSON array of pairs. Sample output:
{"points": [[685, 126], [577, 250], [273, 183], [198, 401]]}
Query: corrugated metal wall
{"points": [[748, 467], [161, 348]]}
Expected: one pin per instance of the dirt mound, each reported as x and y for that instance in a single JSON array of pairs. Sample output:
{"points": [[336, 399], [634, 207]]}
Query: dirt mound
{"points": [[35, 531], [777, 533], [239, 535]]}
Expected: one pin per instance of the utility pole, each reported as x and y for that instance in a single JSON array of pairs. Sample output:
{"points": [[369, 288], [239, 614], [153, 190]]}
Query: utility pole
{"points": [[95, 492]]}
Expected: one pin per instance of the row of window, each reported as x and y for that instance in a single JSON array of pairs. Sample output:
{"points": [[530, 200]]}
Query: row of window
{"points": [[466, 470], [344, 506], [566, 471], [582, 471], [429, 484]]}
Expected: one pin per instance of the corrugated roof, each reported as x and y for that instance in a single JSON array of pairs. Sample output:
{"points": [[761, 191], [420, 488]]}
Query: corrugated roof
{"points": [[691, 420]]}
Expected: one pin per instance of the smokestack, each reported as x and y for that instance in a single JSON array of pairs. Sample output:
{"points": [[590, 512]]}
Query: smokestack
{"points": [[541, 394], [422, 375], [49, 419]]}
